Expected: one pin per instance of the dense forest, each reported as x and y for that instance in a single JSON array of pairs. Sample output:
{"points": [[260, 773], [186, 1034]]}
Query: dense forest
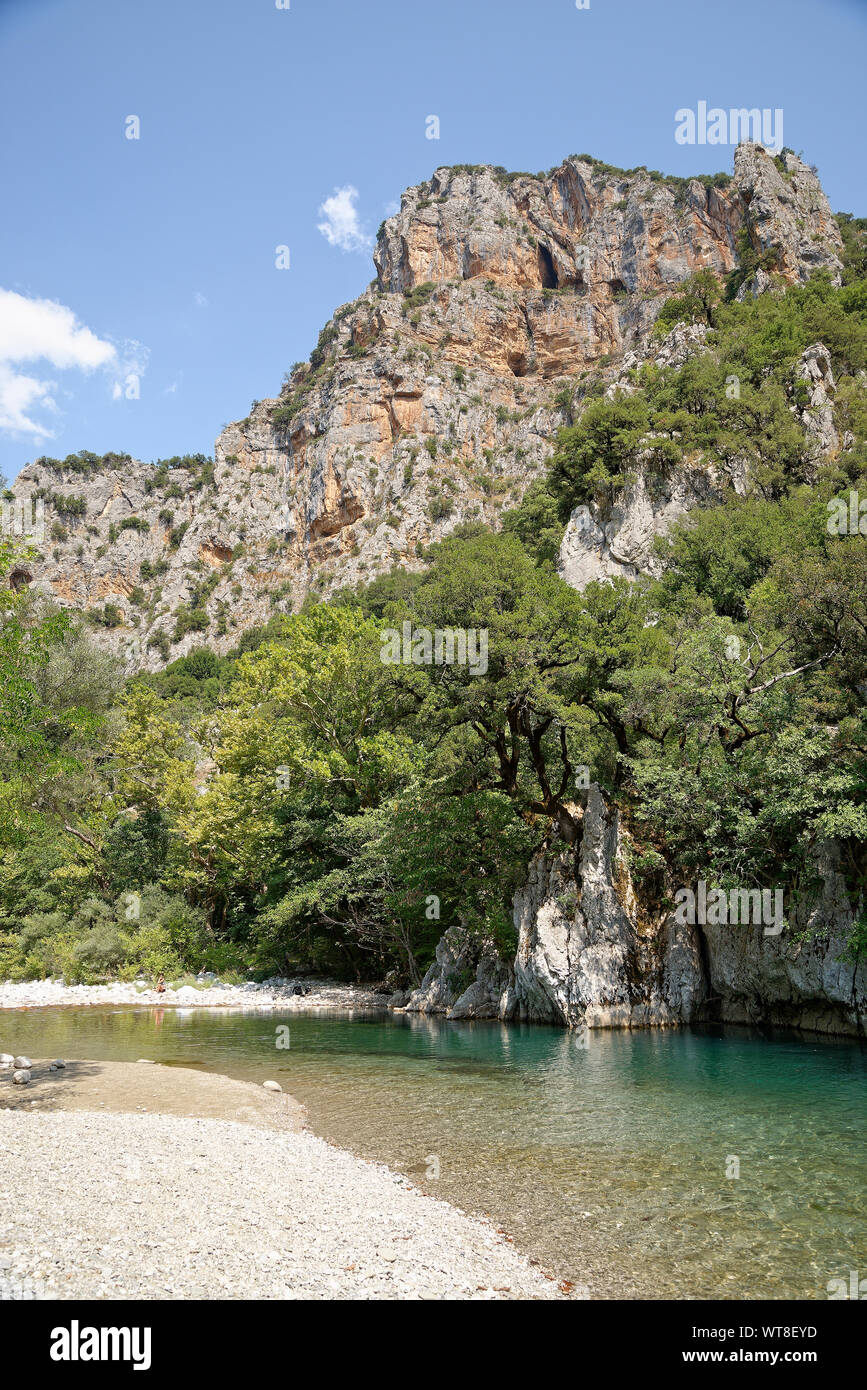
{"points": [[300, 803]]}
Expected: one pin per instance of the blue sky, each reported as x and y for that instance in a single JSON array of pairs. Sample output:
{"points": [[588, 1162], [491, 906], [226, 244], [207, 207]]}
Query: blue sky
{"points": [[156, 256]]}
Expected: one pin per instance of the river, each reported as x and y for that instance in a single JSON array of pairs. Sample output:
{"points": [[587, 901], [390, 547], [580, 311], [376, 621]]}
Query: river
{"points": [[614, 1163]]}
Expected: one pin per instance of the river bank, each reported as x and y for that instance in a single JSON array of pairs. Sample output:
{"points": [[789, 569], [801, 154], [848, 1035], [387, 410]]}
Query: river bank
{"points": [[231, 1200], [208, 993], [606, 1158]]}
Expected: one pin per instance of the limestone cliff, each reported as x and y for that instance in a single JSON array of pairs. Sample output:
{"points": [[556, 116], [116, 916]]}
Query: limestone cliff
{"points": [[431, 399], [600, 542], [594, 951]]}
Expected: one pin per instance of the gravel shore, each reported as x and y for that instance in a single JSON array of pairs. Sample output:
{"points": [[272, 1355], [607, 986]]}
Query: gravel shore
{"points": [[131, 1087], [211, 994], [151, 1206]]}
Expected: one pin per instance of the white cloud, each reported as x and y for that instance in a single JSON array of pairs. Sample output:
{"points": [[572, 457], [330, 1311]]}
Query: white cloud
{"points": [[41, 330], [341, 226], [18, 395], [200, 300], [31, 329]]}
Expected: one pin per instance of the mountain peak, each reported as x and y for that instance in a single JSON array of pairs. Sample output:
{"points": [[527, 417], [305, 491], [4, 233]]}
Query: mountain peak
{"points": [[433, 398]]}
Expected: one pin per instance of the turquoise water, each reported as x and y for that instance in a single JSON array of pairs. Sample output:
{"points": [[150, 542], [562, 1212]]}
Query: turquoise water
{"points": [[608, 1163]]}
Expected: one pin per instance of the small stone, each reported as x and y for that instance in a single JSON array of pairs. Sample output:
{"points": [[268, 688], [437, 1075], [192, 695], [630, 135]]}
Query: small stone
{"points": [[23, 1062], [21, 1077], [59, 1064], [272, 1085]]}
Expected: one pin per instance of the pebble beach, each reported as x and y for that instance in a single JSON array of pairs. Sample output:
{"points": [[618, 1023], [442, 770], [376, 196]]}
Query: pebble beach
{"points": [[208, 993], [118, 1204]]}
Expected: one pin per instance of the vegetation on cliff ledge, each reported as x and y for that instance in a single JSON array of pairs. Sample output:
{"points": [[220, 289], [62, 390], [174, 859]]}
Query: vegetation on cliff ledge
{"points": [[301, 802]]}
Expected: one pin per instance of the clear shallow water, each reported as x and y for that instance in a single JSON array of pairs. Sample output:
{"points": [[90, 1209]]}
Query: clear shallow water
{"points": [[607, 1163]]}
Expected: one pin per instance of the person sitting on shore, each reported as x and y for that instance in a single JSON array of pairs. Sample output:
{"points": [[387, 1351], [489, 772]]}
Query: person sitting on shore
{"points": [[161, 985]]}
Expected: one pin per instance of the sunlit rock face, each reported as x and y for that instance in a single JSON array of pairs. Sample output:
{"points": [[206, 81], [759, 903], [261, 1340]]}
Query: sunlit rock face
{"points": [[595, 953], [602, 541], [432, 399]]}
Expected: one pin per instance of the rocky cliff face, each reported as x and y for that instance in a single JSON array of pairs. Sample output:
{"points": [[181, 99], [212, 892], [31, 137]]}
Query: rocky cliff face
{"points": [[600, 542], [431, 399], [594, 953]]}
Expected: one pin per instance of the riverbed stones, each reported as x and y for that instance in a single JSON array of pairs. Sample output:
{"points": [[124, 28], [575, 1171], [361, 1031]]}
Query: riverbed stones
{"points": [[328, 994], [272, 1085], [309, 1221], [23, 1063], [21, 1077]]}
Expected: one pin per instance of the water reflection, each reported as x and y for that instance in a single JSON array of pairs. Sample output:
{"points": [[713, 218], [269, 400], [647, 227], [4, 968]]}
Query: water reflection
{"points": [[608, 1161]]}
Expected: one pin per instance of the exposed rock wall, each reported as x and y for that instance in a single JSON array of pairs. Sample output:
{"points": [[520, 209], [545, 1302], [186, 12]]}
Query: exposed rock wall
{"points": [[599, 544], [466, 979], [791, 979], [786, 209], [591, 954], [618, 539], [430, 400]]}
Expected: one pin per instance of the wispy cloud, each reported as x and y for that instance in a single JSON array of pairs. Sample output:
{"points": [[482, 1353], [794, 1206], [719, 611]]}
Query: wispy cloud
{"points": [[200, 300], [341, 226], [129, 366], [18, 396]]}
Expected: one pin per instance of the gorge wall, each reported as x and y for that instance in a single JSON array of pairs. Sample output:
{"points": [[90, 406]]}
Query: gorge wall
{"points": [[595, 951], [430, 400], [433, 399]]}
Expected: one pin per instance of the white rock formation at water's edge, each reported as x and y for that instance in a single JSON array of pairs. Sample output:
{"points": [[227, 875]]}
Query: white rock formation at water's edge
{"points": [[593, 953]]}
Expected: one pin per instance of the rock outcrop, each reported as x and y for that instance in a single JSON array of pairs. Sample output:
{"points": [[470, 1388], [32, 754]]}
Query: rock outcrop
{"points": [[786, 212], [593, 953], [600, 542], [430, 400], [467, 979], [797, 979], [618, 540], [817, 415]]}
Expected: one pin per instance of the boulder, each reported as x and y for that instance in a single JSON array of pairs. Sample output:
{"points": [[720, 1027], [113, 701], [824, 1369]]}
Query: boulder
{"points": [[399, 999]]}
